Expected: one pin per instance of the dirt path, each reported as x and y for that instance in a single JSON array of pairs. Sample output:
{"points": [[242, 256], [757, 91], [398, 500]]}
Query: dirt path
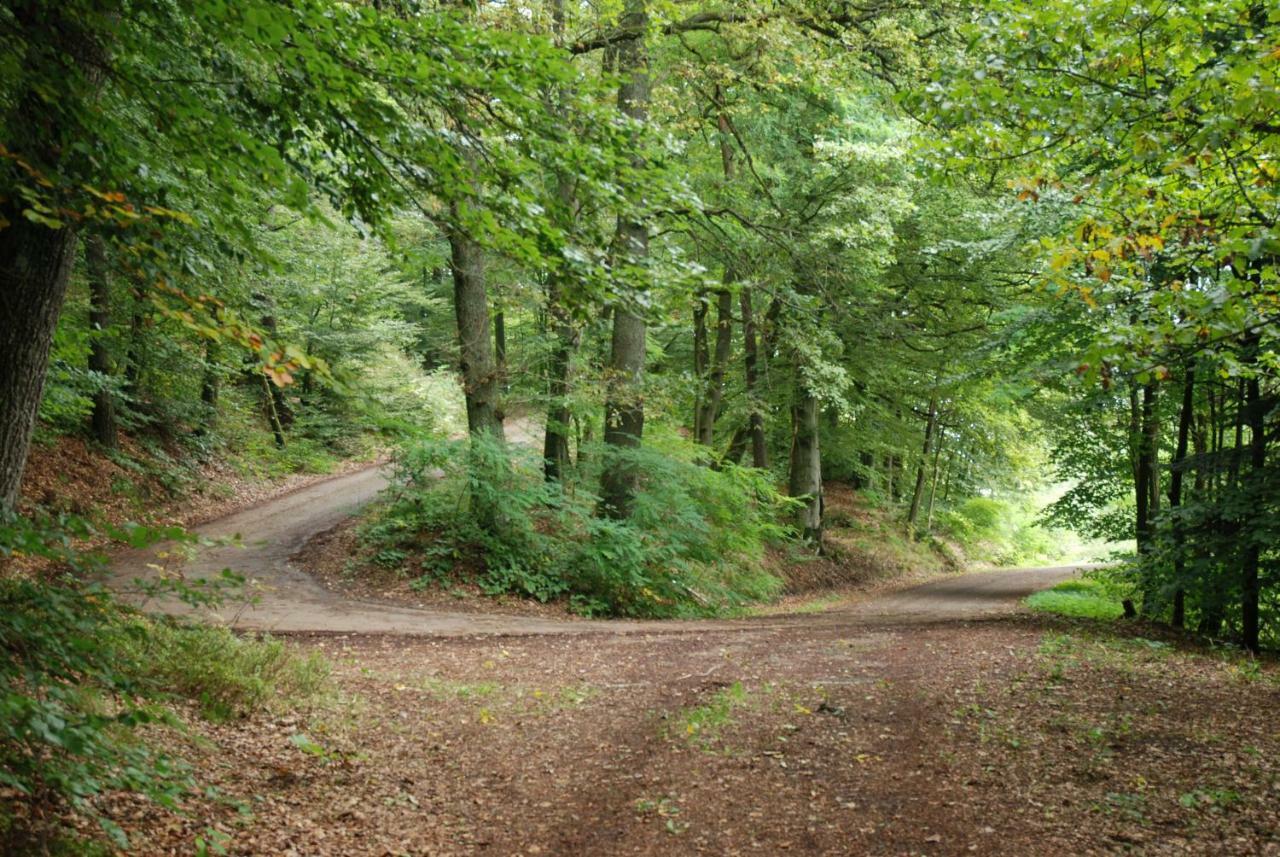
{"points": [[832, 735], [934, 720], [287, 599]]}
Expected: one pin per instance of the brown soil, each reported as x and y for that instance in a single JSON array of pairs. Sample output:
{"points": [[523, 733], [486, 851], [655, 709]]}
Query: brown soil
{"points": [[70, 476], [999, 737]]}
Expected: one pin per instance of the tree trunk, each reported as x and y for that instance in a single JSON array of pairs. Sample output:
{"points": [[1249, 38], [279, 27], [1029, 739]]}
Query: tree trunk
{"points": [[282, 413], [933, 483], [210, 382], [755, 420], [1149, 466], [103, 419], [1175, 492], [269, 406], [701, 358], [555, 445], [624, 413], [1151, 441], [624, 402], [737, 445], [714, 389], [36, 260], [586, 437], [500, 346], [555, 441], [1249, 583], [946, 482], [1227, 528], [479, 370], [806, 466], [476, 360], [918, 492], [133, 356], [1144, 465], [35, 266]]}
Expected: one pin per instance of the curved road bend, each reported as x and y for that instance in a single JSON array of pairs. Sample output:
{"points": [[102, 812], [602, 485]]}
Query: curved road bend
{"points": [[288, 599]]}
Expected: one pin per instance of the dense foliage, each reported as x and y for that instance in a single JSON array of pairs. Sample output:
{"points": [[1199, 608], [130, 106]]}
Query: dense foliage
{"points": [[692, 544], [1150, 134], [697, 259]]}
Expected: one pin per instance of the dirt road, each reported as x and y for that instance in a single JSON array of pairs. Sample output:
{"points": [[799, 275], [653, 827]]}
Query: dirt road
{"points": [[288, 599], [894, 725]]}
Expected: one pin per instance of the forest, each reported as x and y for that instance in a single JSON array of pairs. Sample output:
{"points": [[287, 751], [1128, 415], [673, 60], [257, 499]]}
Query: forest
{"points": [[582, 407]]}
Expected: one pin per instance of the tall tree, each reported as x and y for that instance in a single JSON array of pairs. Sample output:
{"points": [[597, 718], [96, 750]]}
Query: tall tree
{"points": [[479, 369], [805, 482], [37, 250], [555, 447], [624, 406]]}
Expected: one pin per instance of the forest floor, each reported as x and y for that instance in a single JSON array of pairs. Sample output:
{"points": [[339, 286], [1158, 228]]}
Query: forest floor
{"points": [[936, 719], [839, 735], [147, 484]]}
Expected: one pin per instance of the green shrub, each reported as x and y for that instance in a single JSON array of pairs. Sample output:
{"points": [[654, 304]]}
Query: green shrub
{"points": [[1000, 531], [977, 518], [692, 546]]}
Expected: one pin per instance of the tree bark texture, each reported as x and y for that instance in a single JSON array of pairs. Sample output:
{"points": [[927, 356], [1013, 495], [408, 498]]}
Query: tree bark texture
{"points": [[933, 482], [35, 266], [1145, 475], [1249, 583], [555, 447], [624, 402], [555, 441], [1178, 466], [35, 259], [701, 357], [751, 361], [713, 390], [916, 495], [713, 386], [102, 420], [475, 347]]}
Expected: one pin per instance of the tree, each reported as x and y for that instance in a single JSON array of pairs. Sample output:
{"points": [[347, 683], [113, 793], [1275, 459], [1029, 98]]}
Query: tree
{"points": [[624, 407]]}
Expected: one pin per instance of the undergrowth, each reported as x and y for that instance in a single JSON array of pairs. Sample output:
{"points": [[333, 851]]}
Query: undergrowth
{"points": [[1001, 532], [83, 679], [692, 546]]}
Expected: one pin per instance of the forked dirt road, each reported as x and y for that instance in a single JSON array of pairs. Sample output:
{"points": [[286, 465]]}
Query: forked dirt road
{"points": [[936, 720], [286, 598]]}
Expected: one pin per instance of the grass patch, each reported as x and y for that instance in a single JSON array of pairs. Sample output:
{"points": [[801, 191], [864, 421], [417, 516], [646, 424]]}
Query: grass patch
{"points": [[442, 688], [702, 724], [1082, 598], [226, 675]]}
